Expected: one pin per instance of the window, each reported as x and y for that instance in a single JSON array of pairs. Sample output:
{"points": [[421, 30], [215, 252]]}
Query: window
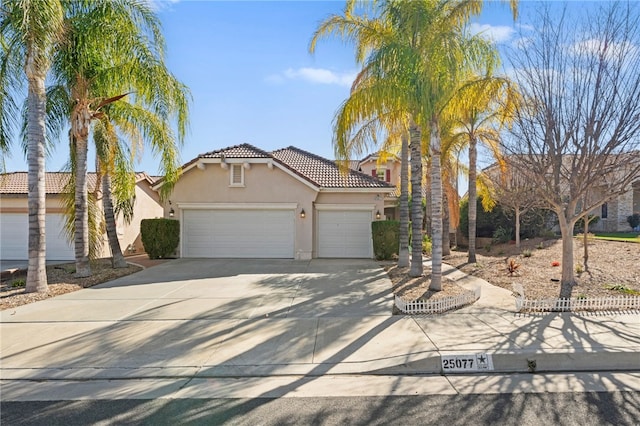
{"points": [[388, 177], [605, 211], [236, 175]]}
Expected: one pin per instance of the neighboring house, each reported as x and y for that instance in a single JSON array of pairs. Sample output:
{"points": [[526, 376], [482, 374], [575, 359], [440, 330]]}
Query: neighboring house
{"points": [[386, 169], [14, 221], [243, 202], [613, 215]]}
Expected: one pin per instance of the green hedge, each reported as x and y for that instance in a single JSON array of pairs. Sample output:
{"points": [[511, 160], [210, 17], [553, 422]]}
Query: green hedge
{"points": [[386, 238], [160, 237]]}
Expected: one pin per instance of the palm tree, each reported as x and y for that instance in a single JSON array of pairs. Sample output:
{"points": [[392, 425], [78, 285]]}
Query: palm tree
{"points": [[28, 33], [370, 110], [415, 53], [480, 109], [116, 51]]}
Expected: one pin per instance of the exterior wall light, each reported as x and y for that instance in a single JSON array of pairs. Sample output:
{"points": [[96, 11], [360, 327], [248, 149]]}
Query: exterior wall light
{"points": [[302, 214], [378, 214], [172, 213]]}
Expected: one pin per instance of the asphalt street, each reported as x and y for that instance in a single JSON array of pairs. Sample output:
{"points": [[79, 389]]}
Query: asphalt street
{"points": [[522, 409]]}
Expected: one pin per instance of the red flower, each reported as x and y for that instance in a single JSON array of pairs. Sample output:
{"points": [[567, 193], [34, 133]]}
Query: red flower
{"points": [[555, 263]]}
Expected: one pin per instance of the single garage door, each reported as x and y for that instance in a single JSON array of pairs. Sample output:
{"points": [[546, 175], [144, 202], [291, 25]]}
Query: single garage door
{"points": [[344, 233], [14, 237], [238, 233]]}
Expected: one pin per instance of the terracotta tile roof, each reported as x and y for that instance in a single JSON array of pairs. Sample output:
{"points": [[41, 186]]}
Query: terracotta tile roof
{"points": [[237, 151], [17, 182], [322, 172]]}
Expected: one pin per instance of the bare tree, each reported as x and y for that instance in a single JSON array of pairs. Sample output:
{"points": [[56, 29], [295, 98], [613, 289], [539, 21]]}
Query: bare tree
{"points": [[578, 131], [514, 191]]}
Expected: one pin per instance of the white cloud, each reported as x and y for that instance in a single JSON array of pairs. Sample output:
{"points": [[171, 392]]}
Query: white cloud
{"points": [[315, 75], [159, 5], [497, 33]]}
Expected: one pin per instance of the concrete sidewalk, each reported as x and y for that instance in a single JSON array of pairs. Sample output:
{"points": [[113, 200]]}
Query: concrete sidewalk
{"points": [[319, 318]]}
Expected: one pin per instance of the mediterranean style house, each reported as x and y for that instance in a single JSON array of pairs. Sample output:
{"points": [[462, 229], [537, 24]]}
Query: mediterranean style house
{"points": [[243, 202]]}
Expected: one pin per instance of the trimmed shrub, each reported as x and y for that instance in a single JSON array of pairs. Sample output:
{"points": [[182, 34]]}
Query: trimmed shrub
{"points": [[386, 238], [160, 237], [634, 220]]}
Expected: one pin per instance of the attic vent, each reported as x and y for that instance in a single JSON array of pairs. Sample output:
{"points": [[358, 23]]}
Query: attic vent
{"points": [[237, 175]]}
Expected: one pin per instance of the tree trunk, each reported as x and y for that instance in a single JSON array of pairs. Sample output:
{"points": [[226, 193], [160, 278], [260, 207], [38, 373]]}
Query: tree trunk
{"points": [[473, 210], [110, 220], [417, 267], [517, 210], [37, 266], [80, 124], [446, 239], [403, 251], [567, 280], [586, 243], [436, 208]]}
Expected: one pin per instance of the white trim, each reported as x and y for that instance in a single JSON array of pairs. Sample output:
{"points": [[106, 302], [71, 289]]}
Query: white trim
{"points": [[201, 165], [237, 206], [369, 190], [367, 207]]}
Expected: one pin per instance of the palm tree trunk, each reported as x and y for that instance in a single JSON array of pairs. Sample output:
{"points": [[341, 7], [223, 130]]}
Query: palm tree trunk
{"points": [[446, 239], [436, 208], [80, 123], [403, 251], [473, 210], [109, 217], [37, 266], [416, 201]]}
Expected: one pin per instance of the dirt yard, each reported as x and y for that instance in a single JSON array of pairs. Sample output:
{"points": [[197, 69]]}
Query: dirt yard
{"points": [[614, 270]]}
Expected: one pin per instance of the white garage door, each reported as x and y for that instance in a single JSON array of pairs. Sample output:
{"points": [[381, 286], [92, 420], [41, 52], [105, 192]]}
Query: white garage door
{"points": [[14, 237], [344, 233], [238, 233]]}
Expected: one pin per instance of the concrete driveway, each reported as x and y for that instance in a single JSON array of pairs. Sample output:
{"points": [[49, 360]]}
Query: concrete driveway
{"points": [[190, 316]]}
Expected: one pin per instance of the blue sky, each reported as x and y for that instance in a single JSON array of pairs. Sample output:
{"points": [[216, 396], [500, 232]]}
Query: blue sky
{"points": [[252, 78]]}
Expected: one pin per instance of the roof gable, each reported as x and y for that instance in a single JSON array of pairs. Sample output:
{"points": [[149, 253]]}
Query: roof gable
{"points": [[244, 150]]}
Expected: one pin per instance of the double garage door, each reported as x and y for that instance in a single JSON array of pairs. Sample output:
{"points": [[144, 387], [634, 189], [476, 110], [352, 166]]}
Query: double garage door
{"points": [[14, 237], [238, 233]]}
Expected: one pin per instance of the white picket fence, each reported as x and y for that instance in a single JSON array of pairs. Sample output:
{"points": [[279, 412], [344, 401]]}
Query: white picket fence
{"points": [[575, 304], [426, 306]]}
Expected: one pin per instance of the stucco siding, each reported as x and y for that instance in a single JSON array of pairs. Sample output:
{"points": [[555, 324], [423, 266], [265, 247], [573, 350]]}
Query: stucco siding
{"points": [[261, 185]]}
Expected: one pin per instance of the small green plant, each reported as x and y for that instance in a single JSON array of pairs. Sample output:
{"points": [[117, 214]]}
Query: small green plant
{"points": [[487, 248], [581, 296], [20, 282], [527, 253], [622, 289], [579, 269], [634, 220], [501, 252], [540, 246]]}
